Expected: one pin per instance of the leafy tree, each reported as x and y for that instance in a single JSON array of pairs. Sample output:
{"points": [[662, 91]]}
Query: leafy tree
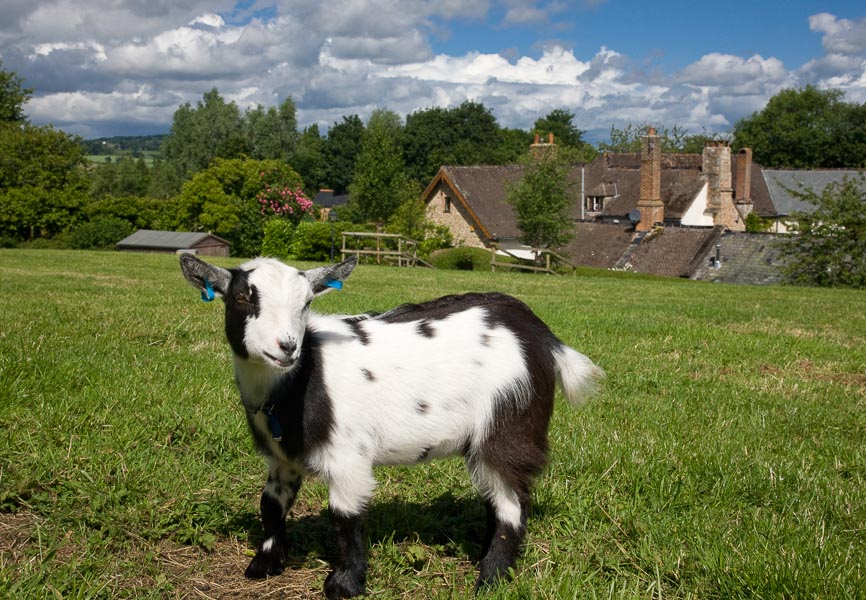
{"points": [[272, 133], [465, 135], [42, 180], [513, 144], [380, 183], [805, 129], [213, 129], [126, 177], [674, 140], [226, 197], [12, 97], [308, 159], [565, 133], [542, 198], [340, 152], [830, 246]]}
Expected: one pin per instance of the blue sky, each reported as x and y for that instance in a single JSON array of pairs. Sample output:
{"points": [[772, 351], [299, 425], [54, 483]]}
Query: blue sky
{"points": [[122, 67]]}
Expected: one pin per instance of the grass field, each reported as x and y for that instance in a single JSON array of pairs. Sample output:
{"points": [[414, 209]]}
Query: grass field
{"points": [[724, 458]]}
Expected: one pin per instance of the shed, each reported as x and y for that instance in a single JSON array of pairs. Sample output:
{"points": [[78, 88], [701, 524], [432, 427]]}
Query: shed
{"points": [[170, 242]]}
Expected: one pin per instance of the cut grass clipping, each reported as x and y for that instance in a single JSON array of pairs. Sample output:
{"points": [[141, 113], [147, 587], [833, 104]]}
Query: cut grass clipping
{"points": [[723, 458]]}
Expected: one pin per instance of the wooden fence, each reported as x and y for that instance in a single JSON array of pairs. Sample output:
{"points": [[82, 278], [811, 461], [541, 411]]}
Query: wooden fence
{"points": [[549, 258], [391, 248]]}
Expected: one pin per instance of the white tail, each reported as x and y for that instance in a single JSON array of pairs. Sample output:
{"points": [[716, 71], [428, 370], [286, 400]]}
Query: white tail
{"points": [[578, 376]]}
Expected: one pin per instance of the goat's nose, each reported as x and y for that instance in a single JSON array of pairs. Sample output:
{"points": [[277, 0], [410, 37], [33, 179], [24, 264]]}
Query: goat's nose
{"points": [[287, 346]]}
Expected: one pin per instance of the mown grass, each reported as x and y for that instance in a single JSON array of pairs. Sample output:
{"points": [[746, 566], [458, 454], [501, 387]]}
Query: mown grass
{"points": [[724, 457]]}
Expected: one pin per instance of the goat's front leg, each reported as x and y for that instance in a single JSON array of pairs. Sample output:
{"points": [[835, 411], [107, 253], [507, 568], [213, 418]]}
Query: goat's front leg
{"points": [[281, 489], [349, 495]]}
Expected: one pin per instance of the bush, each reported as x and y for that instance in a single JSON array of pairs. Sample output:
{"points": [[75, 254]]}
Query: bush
{"points": [[312, 240], [278, 236], [462, 259], [101, 233]]}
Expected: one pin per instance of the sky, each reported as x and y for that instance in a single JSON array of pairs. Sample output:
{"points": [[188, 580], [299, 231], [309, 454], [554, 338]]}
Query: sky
{"points": [[102, 68]]}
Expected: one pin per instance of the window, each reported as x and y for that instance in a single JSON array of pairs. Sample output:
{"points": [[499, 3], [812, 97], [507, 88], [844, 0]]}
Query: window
{"points": [[447, 204], [593, 203]]}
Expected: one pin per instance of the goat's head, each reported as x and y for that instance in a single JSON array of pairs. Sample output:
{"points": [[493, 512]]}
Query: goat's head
{"points": [[267, 303]]}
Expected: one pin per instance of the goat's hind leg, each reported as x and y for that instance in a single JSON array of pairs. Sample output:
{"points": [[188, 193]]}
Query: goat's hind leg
{"points": [[507, 510], [281, 489]]}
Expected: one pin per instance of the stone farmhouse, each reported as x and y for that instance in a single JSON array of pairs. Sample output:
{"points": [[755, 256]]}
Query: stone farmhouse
{"points": [[663, 214]]}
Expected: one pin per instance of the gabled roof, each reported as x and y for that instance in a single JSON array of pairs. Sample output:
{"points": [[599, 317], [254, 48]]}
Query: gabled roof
{"points": [[482, 191], [781, 183], [168, 240], [328, 199]]}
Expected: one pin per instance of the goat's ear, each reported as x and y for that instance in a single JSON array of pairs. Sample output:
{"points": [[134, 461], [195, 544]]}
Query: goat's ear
{"points": [[210, 280], [325, 279]]}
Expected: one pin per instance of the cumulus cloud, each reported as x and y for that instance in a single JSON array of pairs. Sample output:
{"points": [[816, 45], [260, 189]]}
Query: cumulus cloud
{"points": [[97, 64]]}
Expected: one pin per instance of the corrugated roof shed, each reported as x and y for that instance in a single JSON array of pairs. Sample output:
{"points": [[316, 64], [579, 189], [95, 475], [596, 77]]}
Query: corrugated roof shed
{"points": [[148, 240]]}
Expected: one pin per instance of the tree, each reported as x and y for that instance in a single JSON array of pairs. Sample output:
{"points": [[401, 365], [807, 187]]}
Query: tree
{"points": [[232, 198], [805, 129], [126, 177], [674, 140], [12, 97], [565, 133], [340, 152], [272, 133], [464, 135], [829, 245], [542, 198], [213, 129], [380, 183], [308, 159]]}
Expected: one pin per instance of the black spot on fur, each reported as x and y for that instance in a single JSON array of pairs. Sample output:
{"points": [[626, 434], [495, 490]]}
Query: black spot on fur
{"points": [[368, 375], [478, 363], [425, 454], [238, 313], [422, 407], [359, 332], [485, 340], [425, 329]]}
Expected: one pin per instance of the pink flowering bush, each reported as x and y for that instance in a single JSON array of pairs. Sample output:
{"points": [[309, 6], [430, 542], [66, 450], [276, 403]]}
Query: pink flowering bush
{"points": [[280, 200]]}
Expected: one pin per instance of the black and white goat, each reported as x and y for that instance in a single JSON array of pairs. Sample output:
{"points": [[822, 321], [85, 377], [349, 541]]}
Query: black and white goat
{"points": [[471, 375]]}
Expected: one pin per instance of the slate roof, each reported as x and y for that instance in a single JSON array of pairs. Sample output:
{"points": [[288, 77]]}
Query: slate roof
{"points": [[327, 199], [672, 251], [781, 183], [166, 240], [746, 258]]}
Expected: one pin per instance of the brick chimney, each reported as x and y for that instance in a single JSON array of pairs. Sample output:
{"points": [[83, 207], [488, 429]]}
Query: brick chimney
{"points": [[716, 166], [650, 205], [539, 148], [743, 183]]}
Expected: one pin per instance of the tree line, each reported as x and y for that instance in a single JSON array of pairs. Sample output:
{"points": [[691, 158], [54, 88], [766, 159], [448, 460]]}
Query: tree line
{"points": [[218, 162]]}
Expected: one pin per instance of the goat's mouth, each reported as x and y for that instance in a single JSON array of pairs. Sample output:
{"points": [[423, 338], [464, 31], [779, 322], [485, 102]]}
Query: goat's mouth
{"points": [[283, 362]]}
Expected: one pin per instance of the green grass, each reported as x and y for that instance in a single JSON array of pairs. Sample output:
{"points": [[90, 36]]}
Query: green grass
{"points": [[724, 457]]}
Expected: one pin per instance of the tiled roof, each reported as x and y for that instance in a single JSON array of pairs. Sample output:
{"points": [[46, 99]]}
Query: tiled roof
{"points": [[598, 244], [671, 251], [169, 240], [750, 258], [781, 184]]}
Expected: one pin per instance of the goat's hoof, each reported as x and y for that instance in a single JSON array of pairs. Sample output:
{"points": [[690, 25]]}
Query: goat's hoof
{"points": [[344, 584], [263, 565]]}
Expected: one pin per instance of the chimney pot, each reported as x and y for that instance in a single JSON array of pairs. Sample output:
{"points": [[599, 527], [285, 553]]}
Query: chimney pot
{"points": [[550, 137], [537, 138]]}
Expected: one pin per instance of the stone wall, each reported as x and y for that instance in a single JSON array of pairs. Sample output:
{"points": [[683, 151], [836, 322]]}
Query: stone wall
{"points": [[457, 219]]}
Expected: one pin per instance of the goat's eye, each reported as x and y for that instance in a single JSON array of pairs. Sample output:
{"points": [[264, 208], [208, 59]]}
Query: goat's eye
{"points": [[242, 298]]}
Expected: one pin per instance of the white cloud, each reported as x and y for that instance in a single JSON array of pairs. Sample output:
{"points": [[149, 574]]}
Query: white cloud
{"points": [[99, 63]]}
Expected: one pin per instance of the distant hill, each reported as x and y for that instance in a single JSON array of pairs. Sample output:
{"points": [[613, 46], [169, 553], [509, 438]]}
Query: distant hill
{"points": [[133, 145]]}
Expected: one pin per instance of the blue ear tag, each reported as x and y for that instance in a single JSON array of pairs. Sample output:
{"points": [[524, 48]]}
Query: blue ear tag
{"points": [[333, 283], [207, 294]]}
